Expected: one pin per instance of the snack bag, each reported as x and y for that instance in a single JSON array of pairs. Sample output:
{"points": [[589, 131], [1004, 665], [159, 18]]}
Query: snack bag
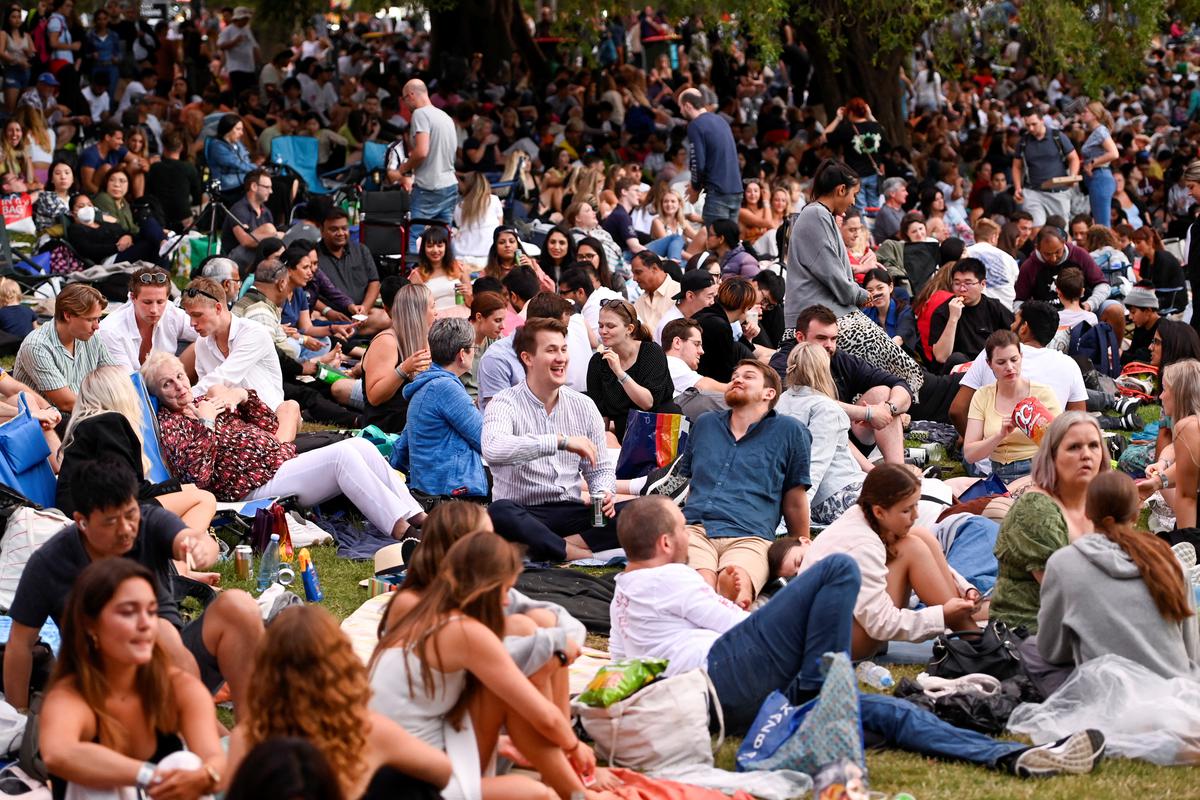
{"points": [[1032, 418], [620, 679]]}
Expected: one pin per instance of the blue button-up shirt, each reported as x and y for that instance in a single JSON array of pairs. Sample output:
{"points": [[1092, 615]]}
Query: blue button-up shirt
{"points": [[738, 485]]}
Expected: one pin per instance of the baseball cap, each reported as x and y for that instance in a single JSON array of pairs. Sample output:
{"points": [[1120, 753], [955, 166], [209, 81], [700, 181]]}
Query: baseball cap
{"points": [[696, 280], [48, 79]]}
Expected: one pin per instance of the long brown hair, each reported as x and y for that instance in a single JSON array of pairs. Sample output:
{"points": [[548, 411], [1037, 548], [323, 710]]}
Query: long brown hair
{"points": [[446, 524], [1112, 504], [469, 580], [885, 486], [305, 647], [80, 662]]}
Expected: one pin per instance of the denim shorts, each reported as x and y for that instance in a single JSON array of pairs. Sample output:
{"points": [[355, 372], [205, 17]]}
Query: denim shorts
{"points": [[16, 77], [721, 206]]}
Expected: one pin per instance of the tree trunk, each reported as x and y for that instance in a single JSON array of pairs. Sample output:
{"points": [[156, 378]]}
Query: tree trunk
{"points": [[495, 28], [854, 74]]}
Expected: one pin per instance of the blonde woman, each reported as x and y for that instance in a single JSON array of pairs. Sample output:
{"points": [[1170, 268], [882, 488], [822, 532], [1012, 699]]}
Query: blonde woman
{"points": [[1098, 154], [836, 469], [108, 424], [671, 232], [40, 141], [477, 216]]}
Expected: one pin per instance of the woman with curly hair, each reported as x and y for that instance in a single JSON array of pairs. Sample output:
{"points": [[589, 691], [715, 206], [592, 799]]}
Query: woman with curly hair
{"points": [[304, 647], [442, 671], [117, 713]]}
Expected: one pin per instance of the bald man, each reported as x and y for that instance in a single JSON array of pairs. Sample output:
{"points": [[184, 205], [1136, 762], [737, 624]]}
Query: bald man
{"points": [[431, 161]]}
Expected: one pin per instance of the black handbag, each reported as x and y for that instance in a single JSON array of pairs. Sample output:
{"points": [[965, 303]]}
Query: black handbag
{"points": [[991, 651]]}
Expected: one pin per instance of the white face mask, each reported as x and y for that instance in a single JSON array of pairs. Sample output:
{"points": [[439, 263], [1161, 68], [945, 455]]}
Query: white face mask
{"points": [[86, 214]]}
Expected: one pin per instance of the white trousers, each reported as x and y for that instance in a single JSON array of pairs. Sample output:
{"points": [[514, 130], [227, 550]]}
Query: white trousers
{"points": [[352, 467]]}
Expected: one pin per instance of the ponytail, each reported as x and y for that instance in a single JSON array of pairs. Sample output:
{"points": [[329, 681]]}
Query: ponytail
{"points": [[831, 174]]}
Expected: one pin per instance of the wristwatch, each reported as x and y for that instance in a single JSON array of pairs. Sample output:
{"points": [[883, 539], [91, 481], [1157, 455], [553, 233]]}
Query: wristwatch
{"points": [[892, 407]]}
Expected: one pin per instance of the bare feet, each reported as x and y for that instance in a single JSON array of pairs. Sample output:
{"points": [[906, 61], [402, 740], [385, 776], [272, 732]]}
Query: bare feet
{"points": [[506, 749], [733, 584]]}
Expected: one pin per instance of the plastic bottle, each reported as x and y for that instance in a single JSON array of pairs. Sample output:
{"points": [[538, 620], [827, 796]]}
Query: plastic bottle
{"points": [[873, 675], [308, 574], [268, 567]]}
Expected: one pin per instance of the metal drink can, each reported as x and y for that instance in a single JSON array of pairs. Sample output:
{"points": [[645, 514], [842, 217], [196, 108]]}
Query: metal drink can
{"points": [[243, 557], [598, 519], [934, 451], [459, 298], [917, 455]]}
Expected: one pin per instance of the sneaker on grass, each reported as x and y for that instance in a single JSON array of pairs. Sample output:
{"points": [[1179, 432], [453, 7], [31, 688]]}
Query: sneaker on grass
{"points": [[1076, 754]]}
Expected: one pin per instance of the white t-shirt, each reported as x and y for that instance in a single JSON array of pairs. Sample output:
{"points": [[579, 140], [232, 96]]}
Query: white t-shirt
{"points": [[671, 313], [1002, 272], [1040, 365], [240, 57], [119, 332], [472, 242], [668, 612], [683, 376]]}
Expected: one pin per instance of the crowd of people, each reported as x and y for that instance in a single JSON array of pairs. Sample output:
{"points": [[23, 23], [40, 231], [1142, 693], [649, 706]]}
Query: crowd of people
{"points": [[682, 230]]}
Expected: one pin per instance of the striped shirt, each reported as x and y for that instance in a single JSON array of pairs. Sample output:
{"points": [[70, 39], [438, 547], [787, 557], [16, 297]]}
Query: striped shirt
{"points": [[520, 445], [44, 364]]}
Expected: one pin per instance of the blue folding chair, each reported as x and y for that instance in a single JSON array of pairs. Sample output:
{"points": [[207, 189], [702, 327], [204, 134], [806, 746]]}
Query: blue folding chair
{"points": [[299, 154], [374, 162], [150, 433], [23, 454]]}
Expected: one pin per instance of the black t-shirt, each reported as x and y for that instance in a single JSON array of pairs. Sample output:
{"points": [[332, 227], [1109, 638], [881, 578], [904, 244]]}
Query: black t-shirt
{"points": [[53, 569], [245, 214], [486, 163], [620, 227], [976, 324], [1139, 344], [177, 186], [845, 137]]}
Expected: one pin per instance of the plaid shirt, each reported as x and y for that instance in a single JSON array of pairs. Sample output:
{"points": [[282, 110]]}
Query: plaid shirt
{"points": [[44, 364]]}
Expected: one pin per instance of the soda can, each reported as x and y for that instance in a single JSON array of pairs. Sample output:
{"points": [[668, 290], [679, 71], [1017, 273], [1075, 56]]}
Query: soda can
{"points": [[598, 518], [918, 455], [459, 298], [934, 451], [243, 561]]}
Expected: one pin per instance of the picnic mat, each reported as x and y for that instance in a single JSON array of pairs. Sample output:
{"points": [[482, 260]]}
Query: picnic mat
{"points": [[364, 622]]}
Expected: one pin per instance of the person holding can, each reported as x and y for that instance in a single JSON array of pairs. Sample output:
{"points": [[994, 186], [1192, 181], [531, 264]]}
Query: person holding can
{"points": [[540, 438], [992, 429]]}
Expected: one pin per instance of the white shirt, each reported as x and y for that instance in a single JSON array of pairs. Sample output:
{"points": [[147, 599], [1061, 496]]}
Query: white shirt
{"points": [[240, 57], [1040, 365], [473, 241], [668, 612], [671, 313], [579, 353], [97, 106], [132, 89], [591, 309], [1002, 272], [119, 331], [683, 376], [251, 363]]}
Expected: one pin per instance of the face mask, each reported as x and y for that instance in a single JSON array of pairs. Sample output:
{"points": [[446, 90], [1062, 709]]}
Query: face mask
{"points": [[86, 215]]}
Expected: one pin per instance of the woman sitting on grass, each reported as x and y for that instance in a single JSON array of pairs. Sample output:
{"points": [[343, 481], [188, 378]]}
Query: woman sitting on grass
{"points": [[370, 755], [442, 672], [118, 714], [896, 559]]}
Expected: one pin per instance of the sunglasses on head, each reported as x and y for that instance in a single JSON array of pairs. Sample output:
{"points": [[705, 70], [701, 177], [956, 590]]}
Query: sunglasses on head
{"points": [[192, 292], [152, 277]]}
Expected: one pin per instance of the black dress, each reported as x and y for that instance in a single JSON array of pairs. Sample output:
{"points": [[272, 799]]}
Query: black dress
{"points": [[650, 371], [106, 436]]}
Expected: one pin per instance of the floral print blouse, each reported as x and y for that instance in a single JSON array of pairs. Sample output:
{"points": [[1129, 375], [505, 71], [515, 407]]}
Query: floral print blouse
{"points": [[233, 458]]}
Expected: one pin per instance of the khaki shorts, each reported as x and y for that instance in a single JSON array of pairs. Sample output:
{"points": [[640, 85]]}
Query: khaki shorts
{"points": [[747, 552]]}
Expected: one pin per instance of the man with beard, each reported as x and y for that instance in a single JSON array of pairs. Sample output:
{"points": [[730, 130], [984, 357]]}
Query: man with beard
{"points": [[754, 468]]}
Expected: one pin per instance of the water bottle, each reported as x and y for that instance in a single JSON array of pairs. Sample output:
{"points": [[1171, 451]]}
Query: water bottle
{"points": [[268, 566], [873, 675]]}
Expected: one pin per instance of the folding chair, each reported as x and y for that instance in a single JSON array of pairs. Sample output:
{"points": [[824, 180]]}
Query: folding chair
{"points": [[150, 432], [373, 161], [383, 228], [299, 154]]}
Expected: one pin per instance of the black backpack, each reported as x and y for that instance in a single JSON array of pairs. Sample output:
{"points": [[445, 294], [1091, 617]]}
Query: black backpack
{"points": [[1099, 344]]}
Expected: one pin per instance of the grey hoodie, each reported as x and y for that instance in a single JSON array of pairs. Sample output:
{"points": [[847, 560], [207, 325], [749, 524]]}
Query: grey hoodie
{"points": [[1094, 602]]}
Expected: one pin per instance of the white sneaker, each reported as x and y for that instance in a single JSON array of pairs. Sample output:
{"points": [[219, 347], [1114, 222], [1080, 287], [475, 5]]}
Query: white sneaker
{"points": [[1077, 754]]}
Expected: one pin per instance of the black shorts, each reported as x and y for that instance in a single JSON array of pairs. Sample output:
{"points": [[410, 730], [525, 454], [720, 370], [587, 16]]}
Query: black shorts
{"points": [[193, 639]]}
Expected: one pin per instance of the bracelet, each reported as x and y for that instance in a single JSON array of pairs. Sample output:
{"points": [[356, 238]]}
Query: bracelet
{"points": [[624, 379], [868, 414], [404, 376], [213, 776], [561, 656], [1162, 479], [144, 775]]}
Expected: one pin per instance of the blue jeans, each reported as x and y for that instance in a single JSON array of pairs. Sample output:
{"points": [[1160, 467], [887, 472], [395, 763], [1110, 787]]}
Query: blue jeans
{"points": [[1100, 188], [780, 645], [868, 193], [1013, 470], [908, 727], [721, 206], [430, 204], [669, 246]]}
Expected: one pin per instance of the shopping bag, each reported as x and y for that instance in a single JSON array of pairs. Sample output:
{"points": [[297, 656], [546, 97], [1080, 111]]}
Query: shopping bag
{"points": [[651, 440], [806, 738]]}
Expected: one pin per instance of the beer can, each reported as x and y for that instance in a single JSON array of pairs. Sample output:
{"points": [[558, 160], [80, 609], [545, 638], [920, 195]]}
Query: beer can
{"points": [[934, 451], [598, 518], [918, 455], [459, 298], [243, 561]]}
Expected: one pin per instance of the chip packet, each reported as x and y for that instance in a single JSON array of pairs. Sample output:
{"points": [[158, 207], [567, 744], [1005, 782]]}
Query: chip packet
{"points": [[620, 679]]}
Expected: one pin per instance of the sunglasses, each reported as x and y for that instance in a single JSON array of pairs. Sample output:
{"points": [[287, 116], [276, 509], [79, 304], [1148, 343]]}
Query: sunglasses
{"points": [[192, 292], [148, 278]]}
